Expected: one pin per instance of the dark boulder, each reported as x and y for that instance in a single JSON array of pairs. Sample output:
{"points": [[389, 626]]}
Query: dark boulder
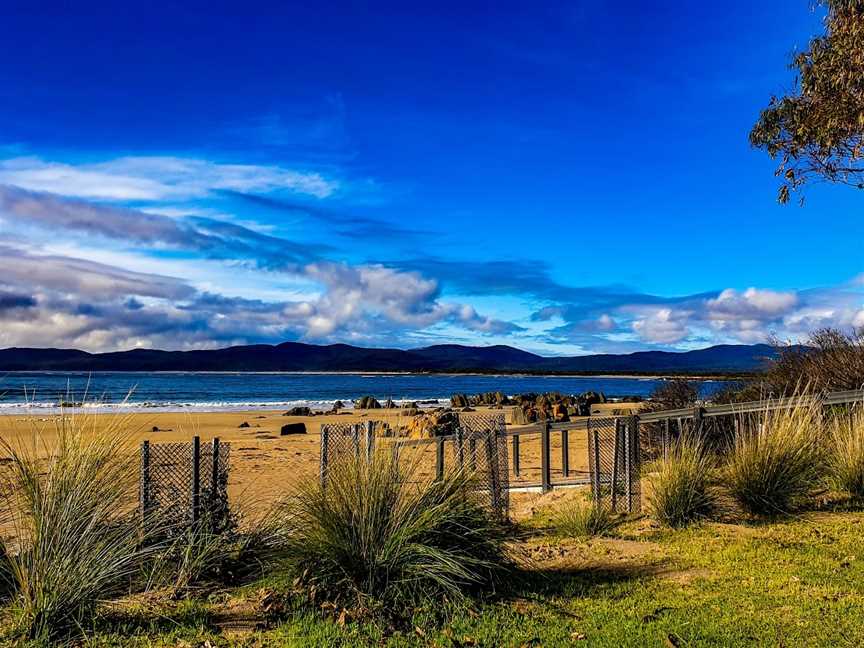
{"points": [[459, 401], [244, 424], [293, 428]]}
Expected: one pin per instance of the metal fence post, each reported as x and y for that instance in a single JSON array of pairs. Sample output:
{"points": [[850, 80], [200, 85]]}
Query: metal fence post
{"points": [[145, 479], [632, 458], [355, 437], [460, 450], [666, 439], [214, 478], [325, 448], [516, 454], [439, 458], [565, 452], [492, 468], [196, 479], [546, 473], [616, 450], [595, 439]]}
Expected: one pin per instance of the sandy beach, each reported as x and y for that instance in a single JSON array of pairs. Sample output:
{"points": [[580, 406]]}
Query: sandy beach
{"points": [[265, 464]]}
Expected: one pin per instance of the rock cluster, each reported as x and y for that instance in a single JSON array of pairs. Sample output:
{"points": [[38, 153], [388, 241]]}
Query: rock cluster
{"points": [[486, 399], [367, 402], [439, 422], [553, 406]]}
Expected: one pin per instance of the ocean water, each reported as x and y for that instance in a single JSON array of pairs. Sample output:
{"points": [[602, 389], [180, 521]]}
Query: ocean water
{"points": [[180, 391]]}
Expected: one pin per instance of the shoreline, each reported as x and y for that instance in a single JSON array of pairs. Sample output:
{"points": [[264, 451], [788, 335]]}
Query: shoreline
{"points": [[514, 374]]}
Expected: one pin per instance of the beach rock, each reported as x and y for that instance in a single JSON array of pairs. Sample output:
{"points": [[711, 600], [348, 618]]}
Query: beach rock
{"points": [[244, 424], [338, 405], [298, 411], [293, 428], [410, 405], [440, 422], [458, 401], [468, 409], [155, 428], [367, 402], [389, 404]]}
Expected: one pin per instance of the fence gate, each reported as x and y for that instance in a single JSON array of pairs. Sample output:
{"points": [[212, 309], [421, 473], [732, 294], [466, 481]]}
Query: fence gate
{"points": [[184, 483], [613, 463]]}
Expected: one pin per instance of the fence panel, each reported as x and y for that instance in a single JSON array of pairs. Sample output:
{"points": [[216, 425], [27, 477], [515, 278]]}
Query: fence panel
{"points": [[183, 483], [613, 463]]}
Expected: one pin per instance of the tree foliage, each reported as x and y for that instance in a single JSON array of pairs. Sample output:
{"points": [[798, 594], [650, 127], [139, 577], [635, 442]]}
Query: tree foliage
{"points": [[817, 130]]}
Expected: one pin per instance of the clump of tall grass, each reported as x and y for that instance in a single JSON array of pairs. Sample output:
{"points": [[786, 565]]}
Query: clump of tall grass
{"points": [[845, 453], [773, 467], [580, 519], [379, 535], [681, 485], [201, 555], [69, 501]]}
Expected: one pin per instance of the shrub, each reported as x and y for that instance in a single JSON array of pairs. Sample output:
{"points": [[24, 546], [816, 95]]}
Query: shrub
{"points": [[681, 488], [374, 536], [845, 456], [579, 519], [774, 466], [71, 510]]}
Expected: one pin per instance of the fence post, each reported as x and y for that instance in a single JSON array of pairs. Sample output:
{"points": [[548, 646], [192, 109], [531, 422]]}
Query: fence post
{"points": [[460, 442], [492, 468], [546, 473], [370, 440], [516, 454], [196, 479], [666, 439], [439, 458], [355, 437], [565, 452], [632, 458], [145, 479], [697, 420], [472, 452], [214, 479], [616, 450], [325, 447], [595, 439]]}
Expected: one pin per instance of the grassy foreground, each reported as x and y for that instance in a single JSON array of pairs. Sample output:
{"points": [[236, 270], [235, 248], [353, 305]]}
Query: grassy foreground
{"points": [[794, 582]]}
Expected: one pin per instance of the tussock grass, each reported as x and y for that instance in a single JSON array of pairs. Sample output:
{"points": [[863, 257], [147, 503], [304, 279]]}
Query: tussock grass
{"points": [[773, 467], [681, 486], [71, 508], [581, 519], [378, 536], [845, 453]]}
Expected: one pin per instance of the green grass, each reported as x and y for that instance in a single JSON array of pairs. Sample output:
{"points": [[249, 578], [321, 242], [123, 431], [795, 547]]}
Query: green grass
{"points": [[579, 519], [797, 582]]}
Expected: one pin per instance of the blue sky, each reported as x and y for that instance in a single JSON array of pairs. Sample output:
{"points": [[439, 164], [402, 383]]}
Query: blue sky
{"points": [[563, 177]]}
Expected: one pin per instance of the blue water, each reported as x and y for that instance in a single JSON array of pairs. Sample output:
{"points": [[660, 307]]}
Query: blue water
{"points": [[234, 391]]}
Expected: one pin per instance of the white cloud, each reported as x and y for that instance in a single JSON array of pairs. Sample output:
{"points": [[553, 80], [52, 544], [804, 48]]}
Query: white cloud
{"points": [[157, 178], [661, 326]]}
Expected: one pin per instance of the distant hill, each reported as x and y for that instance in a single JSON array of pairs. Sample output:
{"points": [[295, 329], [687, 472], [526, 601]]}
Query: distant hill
{"points": [[453, 358]]}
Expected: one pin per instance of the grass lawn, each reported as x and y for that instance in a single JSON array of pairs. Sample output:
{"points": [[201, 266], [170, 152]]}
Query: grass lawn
{"points": [[796, 582]]}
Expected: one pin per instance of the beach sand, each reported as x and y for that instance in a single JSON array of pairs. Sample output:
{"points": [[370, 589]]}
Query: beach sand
{"points": [[264, 465]]}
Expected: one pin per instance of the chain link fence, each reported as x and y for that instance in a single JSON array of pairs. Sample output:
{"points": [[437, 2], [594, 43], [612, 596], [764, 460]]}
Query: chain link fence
{"points": [[614, 463], [184, 483], [479, 446]]}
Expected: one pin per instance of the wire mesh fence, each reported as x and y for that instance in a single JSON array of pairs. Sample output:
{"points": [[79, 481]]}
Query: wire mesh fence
{"points": [[479, 446], [184, 483], [614, 463]]}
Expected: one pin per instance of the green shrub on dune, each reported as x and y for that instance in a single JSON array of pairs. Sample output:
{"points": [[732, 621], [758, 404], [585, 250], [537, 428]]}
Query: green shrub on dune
{"points": [[377, 536], [774, 466], [76, 541], [845, 456], [681, 486]]}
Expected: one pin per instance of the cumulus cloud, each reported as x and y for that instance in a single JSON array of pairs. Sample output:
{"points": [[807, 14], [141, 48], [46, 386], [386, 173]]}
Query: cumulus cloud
{"points": [[157, 178], [663, 326], [65, 301]]}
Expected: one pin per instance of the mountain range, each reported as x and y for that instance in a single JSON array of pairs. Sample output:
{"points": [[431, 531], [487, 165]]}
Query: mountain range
{"points": [[444, 358]]}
